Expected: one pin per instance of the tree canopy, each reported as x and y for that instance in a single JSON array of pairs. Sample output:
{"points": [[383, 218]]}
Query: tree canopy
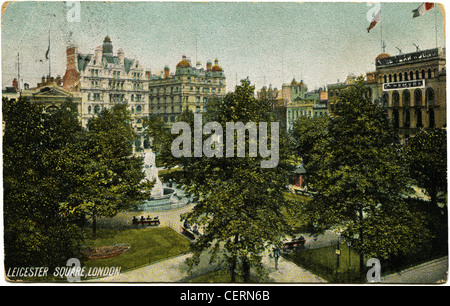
{"points": [[238, 203], [360, 181]]}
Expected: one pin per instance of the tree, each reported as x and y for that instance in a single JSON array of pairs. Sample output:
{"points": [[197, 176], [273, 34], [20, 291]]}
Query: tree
{"points": [[361, 181], [238, 203], [111, 179], [35, 156], [309, 136], [426, 157]]}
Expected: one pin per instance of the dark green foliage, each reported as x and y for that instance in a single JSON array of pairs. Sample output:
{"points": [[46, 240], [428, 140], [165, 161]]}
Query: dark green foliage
{"points": [[360, 181], [238, 203], [35, 152]]}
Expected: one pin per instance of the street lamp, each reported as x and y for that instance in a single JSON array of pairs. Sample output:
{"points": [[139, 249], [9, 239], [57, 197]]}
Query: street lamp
{"points": [[338, 251], [349, 244]]}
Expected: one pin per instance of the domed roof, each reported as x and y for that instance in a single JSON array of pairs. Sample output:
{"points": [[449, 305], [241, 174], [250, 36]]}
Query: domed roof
{"points": [[382, 55], [216, 66], [183, 63]]}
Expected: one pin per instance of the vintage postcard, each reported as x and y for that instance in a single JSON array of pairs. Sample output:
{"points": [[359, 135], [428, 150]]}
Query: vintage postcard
{"points": [[259, 143]]}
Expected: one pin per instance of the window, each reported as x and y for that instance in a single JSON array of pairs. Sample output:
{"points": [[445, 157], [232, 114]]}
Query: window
{"points": [[385, 99], [138, 109], [429, 97], [406, 97], [96, 109], [417, 97], [395, 99], [417, 104]]}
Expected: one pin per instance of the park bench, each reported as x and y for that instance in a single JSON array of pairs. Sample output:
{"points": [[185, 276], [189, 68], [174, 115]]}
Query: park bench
{"points": [[148, 221]]}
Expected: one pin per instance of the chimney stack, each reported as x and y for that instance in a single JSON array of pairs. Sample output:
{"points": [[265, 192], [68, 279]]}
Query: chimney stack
{"points": [[166, 72]]}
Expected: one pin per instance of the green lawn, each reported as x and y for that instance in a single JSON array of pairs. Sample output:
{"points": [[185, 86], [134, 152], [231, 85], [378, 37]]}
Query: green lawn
{"points": [[146, 246]]}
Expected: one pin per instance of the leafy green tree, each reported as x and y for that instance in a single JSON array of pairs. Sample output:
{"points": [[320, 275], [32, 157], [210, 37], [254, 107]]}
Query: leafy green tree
{"points": [[111, 178], [310, 134], [35, 157], [426, 157], [361, 181], [238, 203]]}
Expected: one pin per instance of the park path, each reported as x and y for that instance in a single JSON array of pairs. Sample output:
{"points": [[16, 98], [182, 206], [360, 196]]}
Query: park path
{"points": [[176, 270]]}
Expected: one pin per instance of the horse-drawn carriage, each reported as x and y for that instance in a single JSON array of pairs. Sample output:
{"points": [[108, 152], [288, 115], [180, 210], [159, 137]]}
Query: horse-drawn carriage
{"points": [[190, 232], [146, 221], [294, 244]]}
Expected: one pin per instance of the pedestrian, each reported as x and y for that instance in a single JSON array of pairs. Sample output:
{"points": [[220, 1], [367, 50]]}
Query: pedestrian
{"points": [[276, 255]]}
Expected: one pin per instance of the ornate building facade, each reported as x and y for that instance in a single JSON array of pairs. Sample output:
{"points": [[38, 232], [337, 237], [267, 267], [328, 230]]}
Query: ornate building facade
{"points": [[412, 88], [188, 88], [104, 79], [304, 103]]}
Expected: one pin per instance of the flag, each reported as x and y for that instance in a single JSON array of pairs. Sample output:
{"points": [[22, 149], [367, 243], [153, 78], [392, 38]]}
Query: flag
{"points": [[426, 6], [374, 22], [46, 53]]}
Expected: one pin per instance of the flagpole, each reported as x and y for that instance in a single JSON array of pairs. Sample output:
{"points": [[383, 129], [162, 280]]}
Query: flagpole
{"points": [[381, 31], [49, 67], [435, 24]]}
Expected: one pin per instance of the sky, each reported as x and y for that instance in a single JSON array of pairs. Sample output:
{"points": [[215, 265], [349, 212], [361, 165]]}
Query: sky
{"points": [[269, 42]]}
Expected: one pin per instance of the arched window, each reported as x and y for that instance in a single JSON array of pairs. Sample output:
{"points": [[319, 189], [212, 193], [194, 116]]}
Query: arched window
{"points": [[400, 77], [138, 109], [406, 101], [390, 78], [96, 109], [406, 98], [423, 73], [418, 104], [385, 78], [411, 75], [417, 98], [429, 73], [395, 99], [429, 97], [385, 99], [406, 76], [395, 77], [417, 74], [429, 100]]}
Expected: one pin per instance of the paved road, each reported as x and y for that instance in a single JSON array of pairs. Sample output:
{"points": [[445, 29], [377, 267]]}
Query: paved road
{"points": [[176, 270], [433, 272]]}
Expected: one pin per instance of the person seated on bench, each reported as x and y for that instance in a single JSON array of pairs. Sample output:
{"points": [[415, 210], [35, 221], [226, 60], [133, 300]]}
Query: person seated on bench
{"points": [[155, 218], [148, 217], [142, 218], [195, 230], [135, 219]]}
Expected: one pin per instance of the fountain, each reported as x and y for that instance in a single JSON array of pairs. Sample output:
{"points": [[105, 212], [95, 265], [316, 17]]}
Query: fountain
{"points": [[161, 197], [151, 173]]}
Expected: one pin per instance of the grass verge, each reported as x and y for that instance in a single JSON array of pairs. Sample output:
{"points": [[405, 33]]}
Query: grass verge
{"points": [[146, 246]]}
